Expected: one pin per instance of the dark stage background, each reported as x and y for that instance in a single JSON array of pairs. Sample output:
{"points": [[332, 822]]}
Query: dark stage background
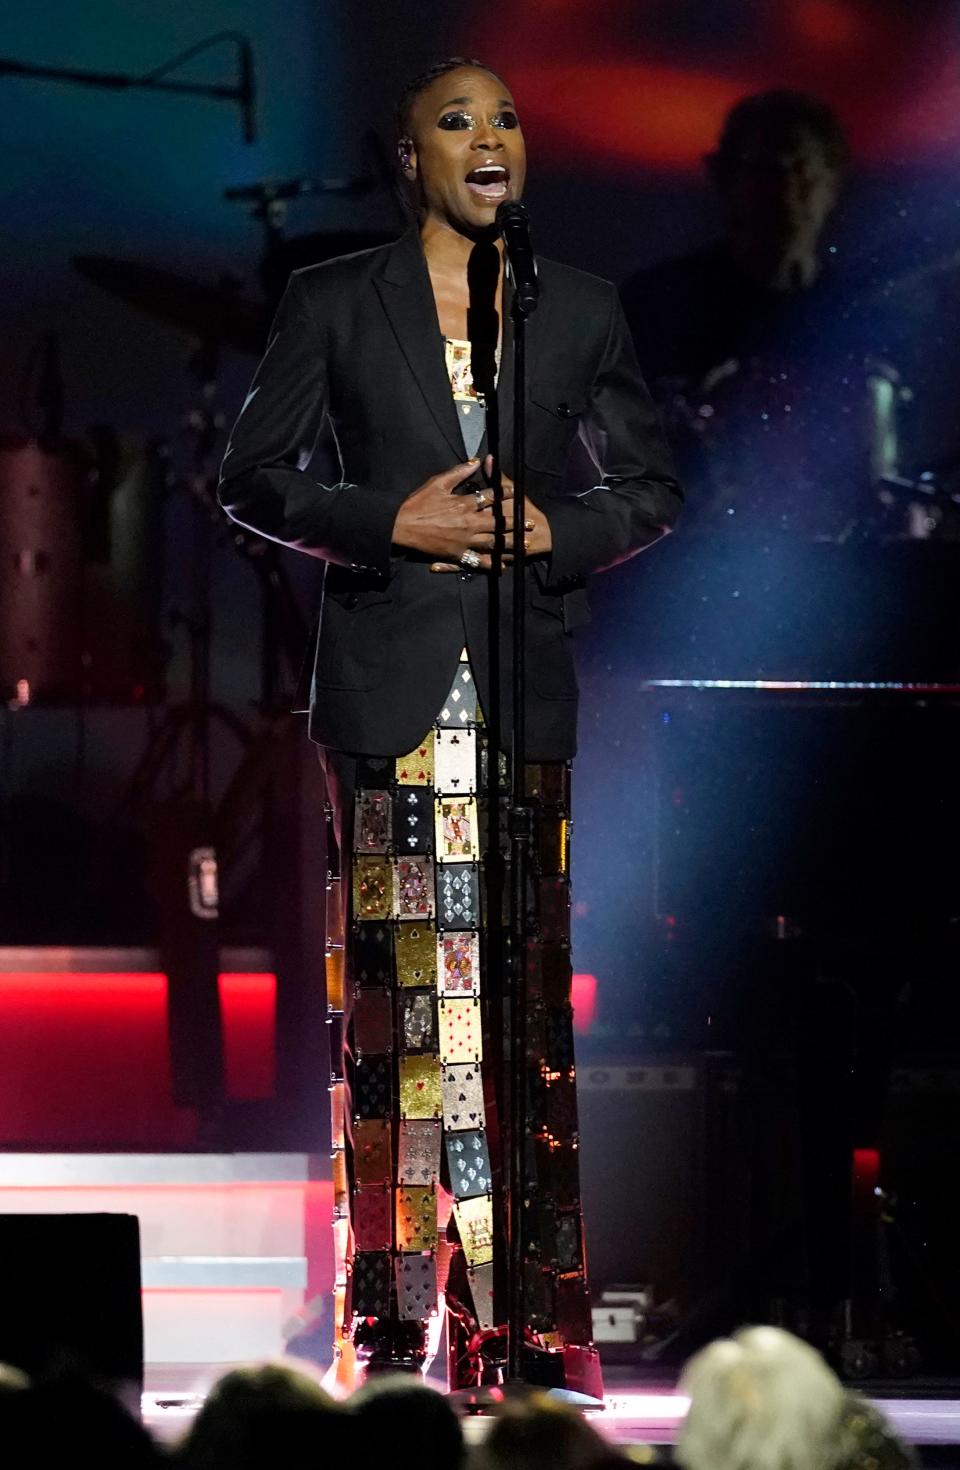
{"points": [[765, 888]]}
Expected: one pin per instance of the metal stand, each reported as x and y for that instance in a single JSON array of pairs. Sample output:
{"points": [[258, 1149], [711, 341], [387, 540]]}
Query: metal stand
{"points": [[520, 830]]}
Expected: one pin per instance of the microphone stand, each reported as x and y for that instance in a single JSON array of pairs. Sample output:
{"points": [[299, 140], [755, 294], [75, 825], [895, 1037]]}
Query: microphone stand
{"points": [[520, 831], [240, 92]]}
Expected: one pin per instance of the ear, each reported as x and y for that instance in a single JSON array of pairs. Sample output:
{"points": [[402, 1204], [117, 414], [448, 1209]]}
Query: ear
{"points": [[407, 155]]}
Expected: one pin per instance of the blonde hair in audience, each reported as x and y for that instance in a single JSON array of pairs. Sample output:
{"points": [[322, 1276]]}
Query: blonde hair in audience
{"points": [[761, 1400]]}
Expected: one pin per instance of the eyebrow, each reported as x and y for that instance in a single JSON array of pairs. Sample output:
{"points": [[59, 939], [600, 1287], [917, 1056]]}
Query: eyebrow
{"points": [[465, 102]]}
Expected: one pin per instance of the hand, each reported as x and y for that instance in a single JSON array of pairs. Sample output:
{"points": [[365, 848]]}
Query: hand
{"points": [[436, 521], [538, 540]]}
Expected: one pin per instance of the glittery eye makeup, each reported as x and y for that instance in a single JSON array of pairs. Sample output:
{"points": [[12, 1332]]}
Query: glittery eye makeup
{"points": [[462, 121], [456, 121]]}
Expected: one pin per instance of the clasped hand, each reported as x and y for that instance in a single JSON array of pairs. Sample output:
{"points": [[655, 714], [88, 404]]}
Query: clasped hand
{"points": [[440, 523]]}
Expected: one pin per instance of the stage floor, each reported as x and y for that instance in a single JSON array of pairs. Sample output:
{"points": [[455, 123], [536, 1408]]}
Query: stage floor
{"points": [[639, 1412]]}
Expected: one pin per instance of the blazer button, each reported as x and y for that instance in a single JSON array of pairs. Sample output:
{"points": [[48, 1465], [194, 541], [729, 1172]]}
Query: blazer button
{"points": [[563, 410]]}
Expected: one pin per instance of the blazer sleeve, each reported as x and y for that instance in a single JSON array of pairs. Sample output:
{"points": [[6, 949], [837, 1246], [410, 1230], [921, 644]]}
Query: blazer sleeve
{"points": [[637, 497], [265, 481]]}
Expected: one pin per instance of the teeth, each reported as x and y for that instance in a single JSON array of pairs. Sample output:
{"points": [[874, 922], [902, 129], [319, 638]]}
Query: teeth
{"points": [[488, 174]]}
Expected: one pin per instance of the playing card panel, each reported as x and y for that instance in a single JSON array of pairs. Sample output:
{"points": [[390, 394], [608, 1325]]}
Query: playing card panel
{"points": [[338, 1168], [481, 1290], [457, 837], [550, 781], [372, 1151], [373, 954], [568, 1242], [559, 1038], [561, 1110], [459, 709], [416, 954], [374, 772], [474, 1219], [372, 888], [552, 840], [461, 1033], [540, 1311], [420, 1087], [372, 1087], [455, 771], [414, 891], [413, 820], [573, 1310], [417, 1021], [554, 910], [468, 1160], [370, 1284], [373, 821], [334, 974], [416, 1287], [458, 963], [416, 1217], [335, 918], [372, 1022], [418, 1160], [461, 1090], [371, 1219], [458, 896], [417, 767]]}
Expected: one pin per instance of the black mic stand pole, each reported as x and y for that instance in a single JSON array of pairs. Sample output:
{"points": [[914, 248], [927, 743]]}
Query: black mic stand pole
{"points": [[520, 830]]}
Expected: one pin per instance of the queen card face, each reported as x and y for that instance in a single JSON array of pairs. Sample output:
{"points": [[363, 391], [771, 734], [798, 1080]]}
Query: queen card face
{"points": [[458, 963], [455, 757], [414, 896]]}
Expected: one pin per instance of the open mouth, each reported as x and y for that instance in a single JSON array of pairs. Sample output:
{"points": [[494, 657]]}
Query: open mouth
{"points": [[488, 181]]}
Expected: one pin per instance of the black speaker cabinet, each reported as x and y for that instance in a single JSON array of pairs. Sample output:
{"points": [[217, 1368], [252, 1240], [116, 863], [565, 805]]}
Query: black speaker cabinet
{"points": [[70, 1296], [662, 1173]]}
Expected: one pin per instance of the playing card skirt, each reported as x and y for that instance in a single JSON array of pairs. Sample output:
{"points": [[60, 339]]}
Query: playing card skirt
{"points": [[419, 1208]]}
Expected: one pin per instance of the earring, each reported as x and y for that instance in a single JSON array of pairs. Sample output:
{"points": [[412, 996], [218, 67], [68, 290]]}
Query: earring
{"points": [[405, 153]]}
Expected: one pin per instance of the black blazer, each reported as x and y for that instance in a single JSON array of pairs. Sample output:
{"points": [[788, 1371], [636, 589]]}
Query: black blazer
{"points": [[356, 349]]}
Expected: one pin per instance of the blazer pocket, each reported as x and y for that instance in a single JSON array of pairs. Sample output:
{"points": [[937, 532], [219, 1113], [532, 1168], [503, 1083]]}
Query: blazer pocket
{"points": [[356, 632], [551, 426]]}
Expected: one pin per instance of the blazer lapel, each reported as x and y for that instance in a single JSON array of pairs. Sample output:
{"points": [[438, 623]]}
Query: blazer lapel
{"points": [[407, 297]]}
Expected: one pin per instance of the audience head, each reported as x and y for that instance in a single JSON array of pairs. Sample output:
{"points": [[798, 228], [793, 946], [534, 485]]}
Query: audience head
{"points": [[868, 1442], [411, 1425], [537, 1432], [67, 1421], [264, 1417], [761, 1400]]}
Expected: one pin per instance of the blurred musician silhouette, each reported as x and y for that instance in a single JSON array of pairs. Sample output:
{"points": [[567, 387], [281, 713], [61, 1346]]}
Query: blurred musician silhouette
{"points": [[779, 404]]}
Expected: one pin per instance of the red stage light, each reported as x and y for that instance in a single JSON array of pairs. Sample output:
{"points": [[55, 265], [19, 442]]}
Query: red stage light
{"points": [[583, 994]]}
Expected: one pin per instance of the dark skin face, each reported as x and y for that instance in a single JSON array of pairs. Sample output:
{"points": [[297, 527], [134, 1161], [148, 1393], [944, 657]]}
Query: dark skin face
{"points": [[467, 153]]}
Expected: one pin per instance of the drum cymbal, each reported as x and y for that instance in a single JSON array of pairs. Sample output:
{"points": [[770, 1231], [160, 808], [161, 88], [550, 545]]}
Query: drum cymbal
{"points": [[295, 251], [203, 310]]}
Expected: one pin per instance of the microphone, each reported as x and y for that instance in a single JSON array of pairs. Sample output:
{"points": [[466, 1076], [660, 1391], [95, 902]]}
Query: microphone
{"points": [[514, 225], [247, 93]]}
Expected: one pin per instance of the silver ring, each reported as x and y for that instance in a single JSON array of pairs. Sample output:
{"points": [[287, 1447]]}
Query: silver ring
{"points": [[470, 559], [481, 499]]}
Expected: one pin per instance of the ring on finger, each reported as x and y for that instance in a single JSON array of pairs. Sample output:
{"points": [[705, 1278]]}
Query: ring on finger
{"points": [[470, 558], [481, 499]]}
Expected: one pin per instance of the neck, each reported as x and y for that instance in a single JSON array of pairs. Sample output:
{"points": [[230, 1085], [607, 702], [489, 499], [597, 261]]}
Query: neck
{"points": [[447, 248], [781, 265]]}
